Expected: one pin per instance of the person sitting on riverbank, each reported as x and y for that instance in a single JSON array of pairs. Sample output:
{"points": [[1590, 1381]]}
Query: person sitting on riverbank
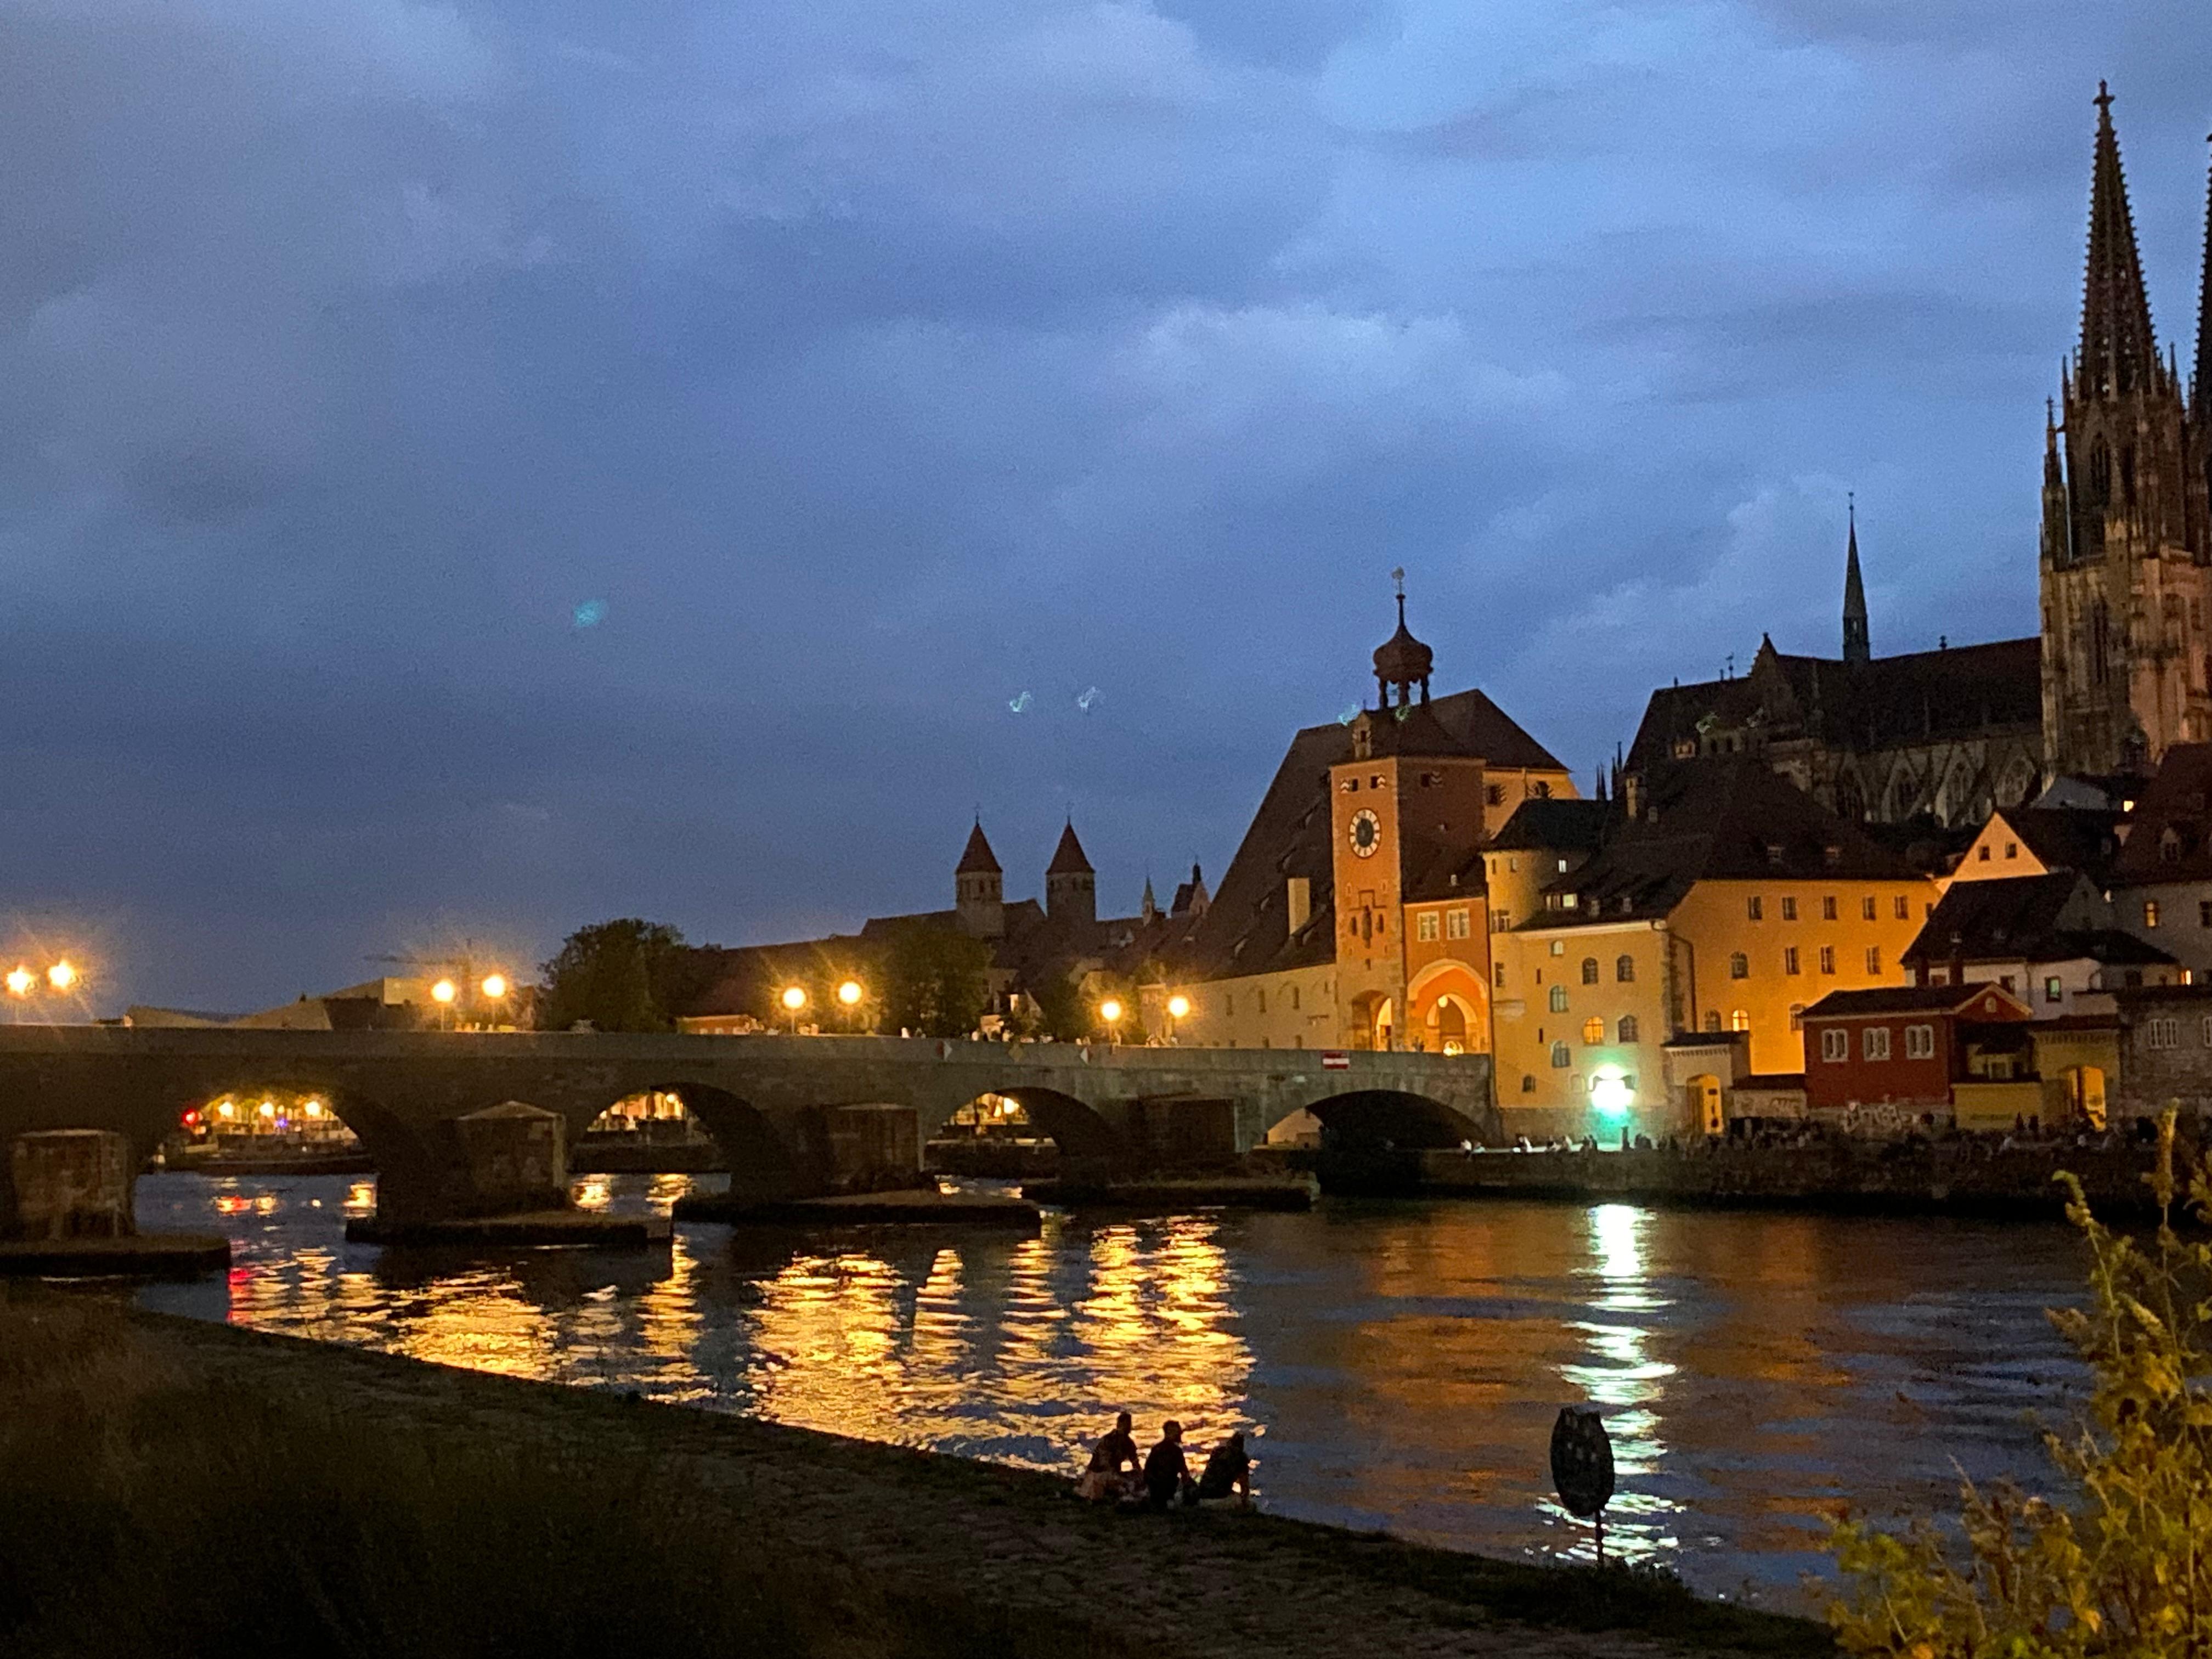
{"points": [[1167, 1472], [1228, 1476], [1116, 1471]]}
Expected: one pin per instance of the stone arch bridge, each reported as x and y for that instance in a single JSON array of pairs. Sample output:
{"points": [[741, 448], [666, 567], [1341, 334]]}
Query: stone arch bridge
{"points": [[773, 1103]]}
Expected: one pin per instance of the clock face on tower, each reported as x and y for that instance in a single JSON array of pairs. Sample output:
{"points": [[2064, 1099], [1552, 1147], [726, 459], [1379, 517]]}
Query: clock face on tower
{"points": [[1366, 832]]}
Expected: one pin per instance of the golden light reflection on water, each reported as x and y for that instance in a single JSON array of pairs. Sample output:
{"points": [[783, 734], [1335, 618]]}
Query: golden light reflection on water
{"points": [[1404, 1363]]}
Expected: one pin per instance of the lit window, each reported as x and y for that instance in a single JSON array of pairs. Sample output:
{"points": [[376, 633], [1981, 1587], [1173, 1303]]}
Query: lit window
{"points": [[1828, 908], [1558, 947], [1920, 1042], [1789, 909], [1424, 926], [1790, 959], [1455, 924], [1739, 966], [1827, 958], [1628, 1027], [1623, 971], [1740, 1020], [1560, 1058], [1874, 960], [2150, 913], [1873, 1042], [2162, 1034], [1835, 1043], [1590, 970], [1593, 1030], [1755, 904], [1559, 999], [2052, 990]]}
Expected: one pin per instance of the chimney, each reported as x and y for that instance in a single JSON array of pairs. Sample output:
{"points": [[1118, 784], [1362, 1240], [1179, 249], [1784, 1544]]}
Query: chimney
{"points": [[1298, 893]]}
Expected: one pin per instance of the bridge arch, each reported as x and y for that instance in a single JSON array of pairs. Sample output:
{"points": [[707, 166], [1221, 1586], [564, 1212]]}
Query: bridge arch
{"points": [[761, 1157], [1369, 1119], [1081, 1130]]}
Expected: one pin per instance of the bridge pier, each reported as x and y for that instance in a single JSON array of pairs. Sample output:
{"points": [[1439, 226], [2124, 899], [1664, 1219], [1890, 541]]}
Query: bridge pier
{"points": [[66, 1211]]}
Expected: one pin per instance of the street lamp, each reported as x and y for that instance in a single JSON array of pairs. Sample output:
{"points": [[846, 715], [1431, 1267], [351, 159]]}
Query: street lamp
{"points": [[793, 1000], [1178, 1008], [494, 987], [1110, 1011], [443, 994], [850, 993], [20, 982], [61, 976]]}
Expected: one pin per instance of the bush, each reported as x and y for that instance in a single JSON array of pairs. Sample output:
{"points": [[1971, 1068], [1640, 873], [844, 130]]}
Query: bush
{"points": [[2121, 1566]]}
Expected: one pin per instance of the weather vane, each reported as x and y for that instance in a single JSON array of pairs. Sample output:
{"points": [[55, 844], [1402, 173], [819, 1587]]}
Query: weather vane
{"points": [[1398, 579]]}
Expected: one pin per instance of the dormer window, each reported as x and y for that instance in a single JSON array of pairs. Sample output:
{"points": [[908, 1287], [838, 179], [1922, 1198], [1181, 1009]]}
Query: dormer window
{"points": [[1774, 853], [1831, 856], [2169, 845], [1351, 786]]}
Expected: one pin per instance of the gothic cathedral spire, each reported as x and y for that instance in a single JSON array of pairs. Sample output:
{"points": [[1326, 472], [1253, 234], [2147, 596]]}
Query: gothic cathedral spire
{"points": [[1856, 648], [2125, 587]]}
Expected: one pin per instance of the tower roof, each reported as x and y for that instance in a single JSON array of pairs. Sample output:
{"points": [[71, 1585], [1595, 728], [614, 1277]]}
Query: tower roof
{"points": [[2118, 352], [1068, 858], [2201, 390], [977, 859], [1401, 661], [1854, 586]]}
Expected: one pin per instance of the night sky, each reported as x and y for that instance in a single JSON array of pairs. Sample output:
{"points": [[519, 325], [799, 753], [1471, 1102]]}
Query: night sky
{"points": [[471, 470]]}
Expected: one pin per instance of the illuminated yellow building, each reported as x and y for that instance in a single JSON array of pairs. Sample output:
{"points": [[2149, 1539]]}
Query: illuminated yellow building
{"points": [[1724, 900]]}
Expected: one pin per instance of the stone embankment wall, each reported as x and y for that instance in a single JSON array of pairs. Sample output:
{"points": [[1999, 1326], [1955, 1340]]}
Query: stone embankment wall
{"points": [[1961, 1177]]}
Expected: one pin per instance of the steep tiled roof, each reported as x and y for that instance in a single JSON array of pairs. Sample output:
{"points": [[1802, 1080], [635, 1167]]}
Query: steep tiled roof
{"points": [[1907, 1000], [2010, 919], [2172, 836], [1717, 820], [977, 857], [1068, 858], [1554, 824], [1246, 928], [2068, 838]]}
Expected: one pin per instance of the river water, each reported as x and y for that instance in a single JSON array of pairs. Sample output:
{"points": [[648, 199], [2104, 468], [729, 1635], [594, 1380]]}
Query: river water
{"points": [[1395, 1365]]}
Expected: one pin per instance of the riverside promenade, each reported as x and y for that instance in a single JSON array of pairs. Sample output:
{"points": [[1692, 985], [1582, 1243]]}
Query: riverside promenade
{"points": [[1215, 1584]]}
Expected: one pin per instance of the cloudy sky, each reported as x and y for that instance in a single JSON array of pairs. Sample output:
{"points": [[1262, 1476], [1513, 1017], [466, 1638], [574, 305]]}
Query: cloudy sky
{"points": [[467, 471]]}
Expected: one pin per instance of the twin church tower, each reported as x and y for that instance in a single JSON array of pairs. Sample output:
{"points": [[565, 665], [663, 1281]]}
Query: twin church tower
{"points": [[2126, 564]]}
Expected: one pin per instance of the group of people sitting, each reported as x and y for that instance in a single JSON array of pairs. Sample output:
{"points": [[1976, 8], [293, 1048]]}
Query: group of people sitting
{"points": [[1161, 1479]]}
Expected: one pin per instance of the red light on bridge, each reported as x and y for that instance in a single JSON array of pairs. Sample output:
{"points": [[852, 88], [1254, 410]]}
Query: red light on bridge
{"points": [[191, 1117]]}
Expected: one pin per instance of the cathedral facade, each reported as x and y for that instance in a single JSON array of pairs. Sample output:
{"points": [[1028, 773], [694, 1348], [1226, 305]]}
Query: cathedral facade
{"points": [[2121, 668]]}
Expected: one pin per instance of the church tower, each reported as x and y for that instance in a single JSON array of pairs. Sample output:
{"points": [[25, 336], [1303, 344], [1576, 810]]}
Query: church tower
{"points": [[978, 888], [2124, 583], [1071, 886], [1856, 651]]}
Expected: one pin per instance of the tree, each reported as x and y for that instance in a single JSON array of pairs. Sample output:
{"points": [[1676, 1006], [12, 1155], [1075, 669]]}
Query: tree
{"points": [[937, 981], [1060, 1013], [2124, 1566], [622, 975]]}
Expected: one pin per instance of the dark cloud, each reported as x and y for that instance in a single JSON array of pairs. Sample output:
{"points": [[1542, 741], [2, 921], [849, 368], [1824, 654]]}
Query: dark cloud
{"points": [[874, 365]]}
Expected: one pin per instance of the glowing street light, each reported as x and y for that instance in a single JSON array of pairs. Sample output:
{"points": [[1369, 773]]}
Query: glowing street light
{"points": [[494, 987], [1178, 1008], [850, 993], [1610, 1096], [61, 976], [443, 991], [20, 981], [1110, 1011], [793, 999]]}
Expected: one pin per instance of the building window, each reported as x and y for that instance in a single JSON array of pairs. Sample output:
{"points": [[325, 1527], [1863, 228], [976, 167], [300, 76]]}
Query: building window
{"points": [[1835, 1043], [1828, 908], [1920, 1042], [1832, 857], [1294, 999], [1790, 959], [1873, 960], [2204, 913], [2150, 913], [1866, 909], [2052, 990], [1560, 1058], [1351, 786], [1873, 1042], [1901, 908], [1628, 1028], [1623, 971], [1796, 1016], [2206, 1034], [1558, 947], [1740, 1020], [1497, 973], [2162, 1034], [1739, 966], [1424, 926], [2012, 849], [1501, 921], [1259, 1002], [1712, 1020], [1494, 793], [1455, 925], [1827, 958], [1593, 1030], [1528, 1083], [1559, 999], [1983, 853], [1590, 970], [1756, 904], [1540, 789], [2006, 980], [1789, 909]]}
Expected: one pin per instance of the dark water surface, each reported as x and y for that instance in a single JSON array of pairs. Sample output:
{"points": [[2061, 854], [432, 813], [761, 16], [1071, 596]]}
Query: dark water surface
{"points": [[1398, 1364]]}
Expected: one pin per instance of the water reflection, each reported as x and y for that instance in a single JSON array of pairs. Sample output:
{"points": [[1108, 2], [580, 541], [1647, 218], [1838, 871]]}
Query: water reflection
{"points": [[1403, 1363]]}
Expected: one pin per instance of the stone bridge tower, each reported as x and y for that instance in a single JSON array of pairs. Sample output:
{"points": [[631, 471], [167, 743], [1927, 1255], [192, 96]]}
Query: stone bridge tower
{"points": [[2124, 563]]}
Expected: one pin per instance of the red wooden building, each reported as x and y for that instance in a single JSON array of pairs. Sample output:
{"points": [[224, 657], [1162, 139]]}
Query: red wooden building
{"points": [[1912, 1045]]}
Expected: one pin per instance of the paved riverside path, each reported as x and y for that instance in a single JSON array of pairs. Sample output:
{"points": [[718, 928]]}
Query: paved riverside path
{"points": [[1210, 1584]]}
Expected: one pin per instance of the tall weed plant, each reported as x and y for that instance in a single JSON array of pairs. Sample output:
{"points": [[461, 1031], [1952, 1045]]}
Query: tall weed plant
{"points": [[2120, 1564]]}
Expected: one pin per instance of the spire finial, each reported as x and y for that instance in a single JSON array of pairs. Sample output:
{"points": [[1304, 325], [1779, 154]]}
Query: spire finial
{"points": [[2103, 100], [2118, 353]]}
